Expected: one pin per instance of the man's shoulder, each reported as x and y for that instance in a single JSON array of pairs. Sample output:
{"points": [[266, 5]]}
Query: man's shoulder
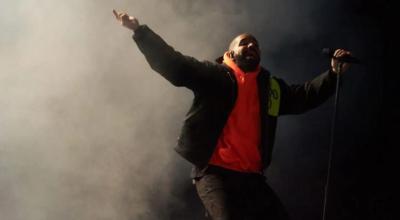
{"points": [[215, 66]]}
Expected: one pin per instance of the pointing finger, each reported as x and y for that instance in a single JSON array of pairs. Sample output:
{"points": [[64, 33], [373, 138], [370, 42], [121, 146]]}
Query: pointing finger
{"points": [[115, 14]]}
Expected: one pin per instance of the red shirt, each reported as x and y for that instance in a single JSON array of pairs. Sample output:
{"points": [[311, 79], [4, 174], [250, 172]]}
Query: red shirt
{"points": [[238, 145]]}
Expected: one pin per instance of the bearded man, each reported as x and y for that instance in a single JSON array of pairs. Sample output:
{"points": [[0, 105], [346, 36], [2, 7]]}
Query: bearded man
{"points": [[229, 131]]}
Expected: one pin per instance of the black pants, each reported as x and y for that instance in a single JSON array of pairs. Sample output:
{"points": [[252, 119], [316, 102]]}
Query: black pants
{"points": [[229, 195]]}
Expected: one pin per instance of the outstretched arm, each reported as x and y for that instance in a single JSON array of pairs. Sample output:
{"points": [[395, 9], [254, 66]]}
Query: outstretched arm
{"points": [[179, 69], [300, 98]]}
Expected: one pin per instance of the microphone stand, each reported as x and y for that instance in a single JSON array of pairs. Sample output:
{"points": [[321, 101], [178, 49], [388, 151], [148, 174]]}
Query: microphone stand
{"points": [[331, 144]]}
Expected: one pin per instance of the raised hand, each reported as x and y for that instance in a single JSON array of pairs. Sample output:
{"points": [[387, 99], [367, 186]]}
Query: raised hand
{"points": [[126, 20]]}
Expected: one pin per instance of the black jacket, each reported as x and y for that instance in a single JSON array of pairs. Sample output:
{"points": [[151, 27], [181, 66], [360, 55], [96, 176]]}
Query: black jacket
{"points": [[215, 90]]}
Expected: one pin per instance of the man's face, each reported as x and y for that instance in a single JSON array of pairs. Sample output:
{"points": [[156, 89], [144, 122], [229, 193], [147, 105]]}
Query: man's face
{"points": [[245, 51]]}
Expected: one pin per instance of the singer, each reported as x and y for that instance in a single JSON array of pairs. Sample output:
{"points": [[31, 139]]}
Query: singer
{"points": [[229, 131]]}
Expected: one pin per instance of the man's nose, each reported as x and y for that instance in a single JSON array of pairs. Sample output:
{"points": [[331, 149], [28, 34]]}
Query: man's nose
{"points": [[251, 45]]}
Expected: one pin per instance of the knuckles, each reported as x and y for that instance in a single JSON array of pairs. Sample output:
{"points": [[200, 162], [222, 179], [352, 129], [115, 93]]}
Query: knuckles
{"points": [[340, 53]]}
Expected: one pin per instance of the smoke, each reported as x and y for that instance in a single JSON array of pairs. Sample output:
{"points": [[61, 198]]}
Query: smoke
{"points": [[87, 128]]}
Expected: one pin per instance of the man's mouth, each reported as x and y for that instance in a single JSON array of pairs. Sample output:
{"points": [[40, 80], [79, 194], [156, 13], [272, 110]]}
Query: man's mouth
{"points": [[251, 53]]}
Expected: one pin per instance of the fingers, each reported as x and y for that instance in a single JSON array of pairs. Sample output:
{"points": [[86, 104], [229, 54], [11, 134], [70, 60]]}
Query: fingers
{"points": [[120, 16], [338, 53], [115, 14], [339, 66], [126, 20], [341, 53]]}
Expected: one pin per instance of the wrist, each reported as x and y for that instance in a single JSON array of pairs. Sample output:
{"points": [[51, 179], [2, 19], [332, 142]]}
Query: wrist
{"points": [[139, 32], [135, 27]]}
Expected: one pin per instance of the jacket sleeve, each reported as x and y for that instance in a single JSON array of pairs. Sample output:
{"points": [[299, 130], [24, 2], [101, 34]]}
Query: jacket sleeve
{"points": [[296, 99], [178, 69]]}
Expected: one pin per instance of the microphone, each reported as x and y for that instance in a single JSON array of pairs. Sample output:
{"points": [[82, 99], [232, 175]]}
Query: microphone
{"points": [[346, 59]]}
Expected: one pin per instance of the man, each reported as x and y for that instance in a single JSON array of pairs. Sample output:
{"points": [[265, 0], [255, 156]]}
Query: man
{"points": [[229, 131]]}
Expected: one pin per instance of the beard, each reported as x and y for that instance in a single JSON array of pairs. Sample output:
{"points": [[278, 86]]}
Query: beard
{"points": [[247, 63]]}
